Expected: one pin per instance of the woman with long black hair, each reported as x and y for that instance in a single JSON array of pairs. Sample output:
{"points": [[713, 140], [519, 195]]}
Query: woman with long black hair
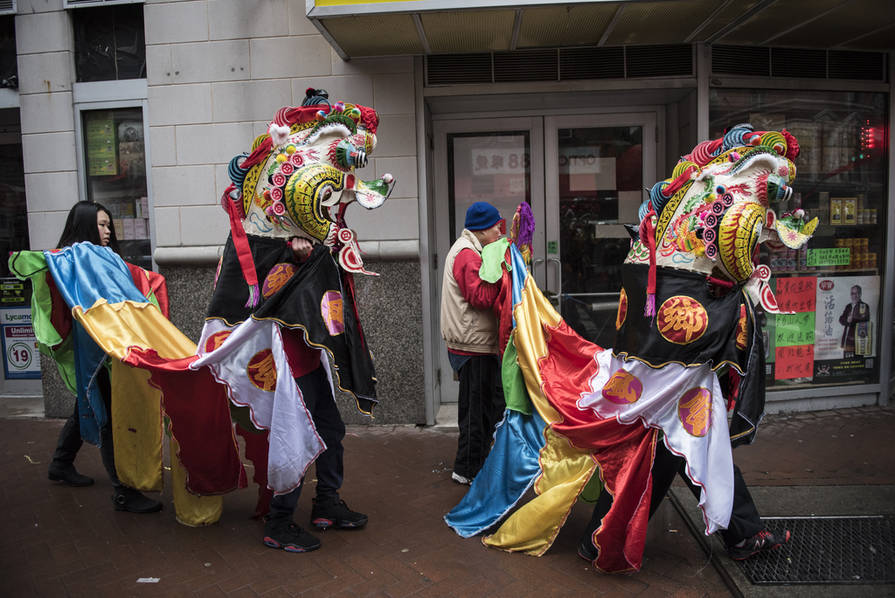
{"points": [[90, 221]]}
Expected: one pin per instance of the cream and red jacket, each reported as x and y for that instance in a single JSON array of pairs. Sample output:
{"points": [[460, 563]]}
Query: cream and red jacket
{"points": [[468, 324]]}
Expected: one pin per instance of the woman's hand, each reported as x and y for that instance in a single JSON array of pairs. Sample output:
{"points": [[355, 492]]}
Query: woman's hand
{"points": [[301, 248]]}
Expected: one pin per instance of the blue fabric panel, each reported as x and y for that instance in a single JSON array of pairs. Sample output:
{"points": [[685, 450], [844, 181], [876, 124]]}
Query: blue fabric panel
{"points": [[508, 472]]}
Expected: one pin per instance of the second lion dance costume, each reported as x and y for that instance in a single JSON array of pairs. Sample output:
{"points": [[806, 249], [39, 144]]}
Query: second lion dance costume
{"points": [[296, 181], [688, 348]]}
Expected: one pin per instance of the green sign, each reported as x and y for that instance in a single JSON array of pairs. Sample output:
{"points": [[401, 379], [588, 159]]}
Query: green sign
{"points": [[829, 256], [99, 132], [552, 247], [794, 329]]}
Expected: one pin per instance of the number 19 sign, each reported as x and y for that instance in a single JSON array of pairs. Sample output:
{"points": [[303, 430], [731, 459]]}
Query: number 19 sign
{"points": [[20, 347]]}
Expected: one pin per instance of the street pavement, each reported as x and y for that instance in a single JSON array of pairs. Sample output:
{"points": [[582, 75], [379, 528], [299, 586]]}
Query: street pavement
{"points": [[62, 541]]}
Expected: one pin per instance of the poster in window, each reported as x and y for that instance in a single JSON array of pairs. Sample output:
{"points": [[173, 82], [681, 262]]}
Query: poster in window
{"points": [[847, 308], [99, 130]]}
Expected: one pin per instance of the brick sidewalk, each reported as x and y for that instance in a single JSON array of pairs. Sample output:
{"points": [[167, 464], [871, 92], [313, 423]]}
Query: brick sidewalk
{"points": [[845, 447], [60, 541]]}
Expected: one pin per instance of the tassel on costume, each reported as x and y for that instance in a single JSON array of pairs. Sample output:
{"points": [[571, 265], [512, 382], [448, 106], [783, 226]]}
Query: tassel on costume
{"points": [[648, 234], [241, 243]]}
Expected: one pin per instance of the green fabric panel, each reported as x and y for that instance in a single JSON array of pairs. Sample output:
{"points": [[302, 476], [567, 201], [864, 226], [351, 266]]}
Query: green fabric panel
{"points": [[492, 257], [33, 265], [592, 491], [514, 390]]}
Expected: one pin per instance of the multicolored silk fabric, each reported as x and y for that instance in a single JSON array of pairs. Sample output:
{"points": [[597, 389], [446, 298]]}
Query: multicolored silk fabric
{"points": [[91, 309], [687, 350]]}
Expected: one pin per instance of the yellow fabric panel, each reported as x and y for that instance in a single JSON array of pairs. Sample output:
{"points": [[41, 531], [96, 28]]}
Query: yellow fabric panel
{"points": [[533, 527], [117, 326], [531, 314], [136, 427], [189, 509], [565, 470]]}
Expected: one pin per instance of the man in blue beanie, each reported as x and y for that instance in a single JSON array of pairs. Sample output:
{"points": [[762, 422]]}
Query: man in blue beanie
{"points": [[469, 328]]}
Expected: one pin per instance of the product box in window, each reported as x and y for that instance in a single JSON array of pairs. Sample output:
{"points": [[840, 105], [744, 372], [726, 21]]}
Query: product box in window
{"points": [[849, 210], [835, 211]]}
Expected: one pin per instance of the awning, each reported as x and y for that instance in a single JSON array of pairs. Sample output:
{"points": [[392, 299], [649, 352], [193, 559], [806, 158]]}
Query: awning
{"points": [[361, 28]]}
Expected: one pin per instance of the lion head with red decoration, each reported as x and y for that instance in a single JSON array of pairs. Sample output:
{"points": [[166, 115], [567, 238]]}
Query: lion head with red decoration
{"points": [[300, 177]]}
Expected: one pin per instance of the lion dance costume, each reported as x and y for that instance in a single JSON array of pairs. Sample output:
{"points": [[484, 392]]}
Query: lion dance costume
{"points": [[582, 420], [90, 307]]}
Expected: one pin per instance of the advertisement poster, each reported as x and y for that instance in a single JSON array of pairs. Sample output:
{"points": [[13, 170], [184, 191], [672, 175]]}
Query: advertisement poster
{"points": [[793, 334], [845, 330], [20, 352], [99, 132]]}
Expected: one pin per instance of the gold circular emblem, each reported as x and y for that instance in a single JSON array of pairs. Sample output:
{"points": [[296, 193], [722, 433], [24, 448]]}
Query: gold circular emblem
{"points": [[622, 388], [681, 320], [622, 309], [216, 340], [694, 409], [742, 328], [261, 370]]}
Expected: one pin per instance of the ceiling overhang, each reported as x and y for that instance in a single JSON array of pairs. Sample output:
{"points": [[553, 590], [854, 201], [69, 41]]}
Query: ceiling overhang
{"points": [[365, 28]]}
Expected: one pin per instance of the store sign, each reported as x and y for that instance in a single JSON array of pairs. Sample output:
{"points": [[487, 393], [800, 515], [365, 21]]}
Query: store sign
{"points": [[495, 160], [586, 169], [829, 256], [21, 358]]}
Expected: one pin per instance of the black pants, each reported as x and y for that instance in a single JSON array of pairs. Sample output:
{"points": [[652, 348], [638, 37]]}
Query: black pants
{"points": [[322, 406], [480, 407], [70, 441], [745, 521]]}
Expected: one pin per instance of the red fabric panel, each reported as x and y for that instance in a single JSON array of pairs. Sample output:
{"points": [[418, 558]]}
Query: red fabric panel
{"points": [[624, 452], [60, 312], [149, 282], [302, 358], [200, 421], [256, 449]]}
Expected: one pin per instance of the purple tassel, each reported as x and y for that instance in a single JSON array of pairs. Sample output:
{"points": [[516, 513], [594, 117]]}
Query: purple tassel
{"points": [[650, 309], [254, 296]]}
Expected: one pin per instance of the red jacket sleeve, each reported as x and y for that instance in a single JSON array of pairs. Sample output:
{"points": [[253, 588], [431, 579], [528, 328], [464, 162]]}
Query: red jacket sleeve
{"points": [[477, 292]]}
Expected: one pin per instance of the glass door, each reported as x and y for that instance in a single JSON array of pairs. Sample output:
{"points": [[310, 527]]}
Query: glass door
{"points": [[498, 160], [596, 168]]}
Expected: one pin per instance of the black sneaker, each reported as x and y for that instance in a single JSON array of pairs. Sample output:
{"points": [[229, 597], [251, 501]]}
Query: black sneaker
{"points": [[328, 512], [133, 501], [284, 534], [67, 474], [763, 541], [587, 550]]}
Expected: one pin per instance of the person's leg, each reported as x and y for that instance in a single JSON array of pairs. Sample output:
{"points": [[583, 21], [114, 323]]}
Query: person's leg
{"points": [[478, 377], [62, 467], [462, 467], [280, 531], [328, 509], [125, 498], [495, 405], [746, 534], [665, 466]]}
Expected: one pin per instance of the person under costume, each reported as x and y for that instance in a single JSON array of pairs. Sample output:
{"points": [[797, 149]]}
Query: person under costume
{"points": [[469, 329], [289, 260], [584, 421], [92, 222]]}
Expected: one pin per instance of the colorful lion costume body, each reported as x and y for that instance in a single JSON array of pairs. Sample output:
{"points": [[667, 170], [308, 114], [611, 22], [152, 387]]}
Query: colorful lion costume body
{"points": [[580, 417], [296, 182]]}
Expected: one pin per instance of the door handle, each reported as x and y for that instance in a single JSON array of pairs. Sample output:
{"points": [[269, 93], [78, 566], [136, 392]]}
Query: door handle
{"points": [[558, 263]]}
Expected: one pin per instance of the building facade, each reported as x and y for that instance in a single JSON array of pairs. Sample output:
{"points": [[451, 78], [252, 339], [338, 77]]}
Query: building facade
{"points": [[575, 107]]}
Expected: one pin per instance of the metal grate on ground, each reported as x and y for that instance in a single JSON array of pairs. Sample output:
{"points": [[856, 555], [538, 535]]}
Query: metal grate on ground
{"points": [[827, 550]]}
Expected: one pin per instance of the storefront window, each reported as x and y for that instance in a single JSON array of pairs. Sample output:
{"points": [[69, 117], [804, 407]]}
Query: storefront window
{"points": [[115, 165], [834, 283], [492, 167], [109, 43]]}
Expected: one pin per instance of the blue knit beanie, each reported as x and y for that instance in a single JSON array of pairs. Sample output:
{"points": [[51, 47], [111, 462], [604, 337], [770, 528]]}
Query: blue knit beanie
{"points": [[481, 215]]}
